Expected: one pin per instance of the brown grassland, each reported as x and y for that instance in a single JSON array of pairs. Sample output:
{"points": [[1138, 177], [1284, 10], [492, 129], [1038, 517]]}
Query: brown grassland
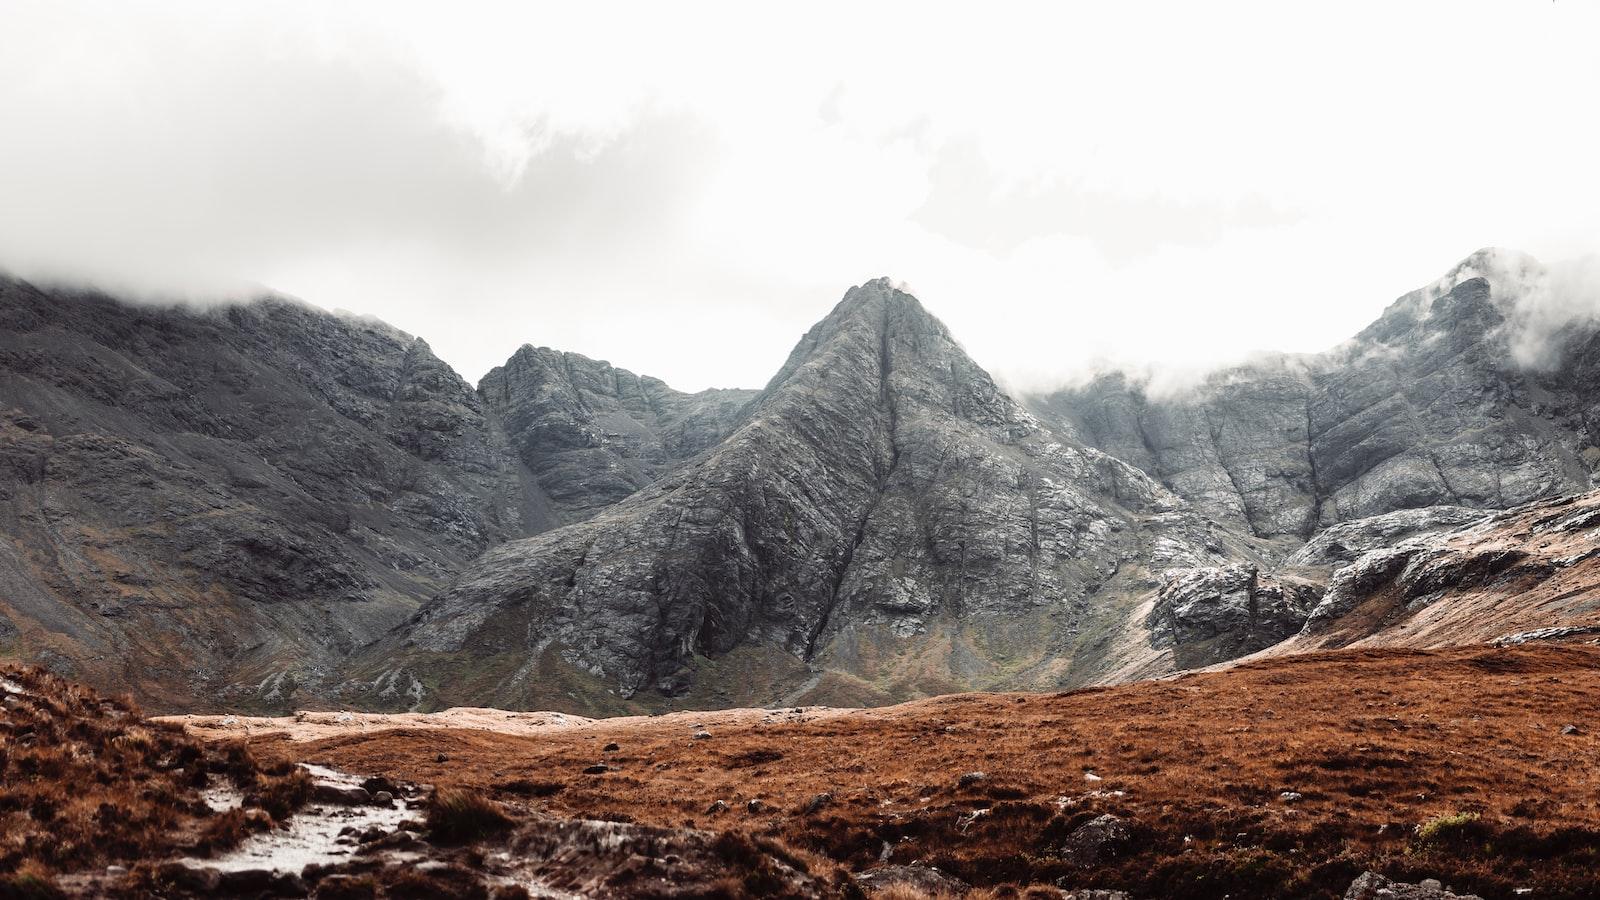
{"points": [[1456, 764], [1450, 763], [86, 781]]}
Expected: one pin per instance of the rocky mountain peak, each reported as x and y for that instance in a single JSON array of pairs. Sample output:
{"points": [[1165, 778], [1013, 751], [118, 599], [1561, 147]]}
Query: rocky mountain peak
{"points": [[1434, 403], [887, 342], [1484, 288], [883, 521], [590, 433]]}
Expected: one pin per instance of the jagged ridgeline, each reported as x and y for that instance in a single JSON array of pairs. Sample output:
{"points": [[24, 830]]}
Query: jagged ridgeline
{"points": [[265, 505], [882, 522]]}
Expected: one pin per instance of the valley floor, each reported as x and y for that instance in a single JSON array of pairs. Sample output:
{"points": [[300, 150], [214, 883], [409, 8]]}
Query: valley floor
{"points": [[1283, 777]]}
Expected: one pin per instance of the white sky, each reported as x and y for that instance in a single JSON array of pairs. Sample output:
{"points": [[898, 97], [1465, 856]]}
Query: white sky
{"points": [[684, 188]]}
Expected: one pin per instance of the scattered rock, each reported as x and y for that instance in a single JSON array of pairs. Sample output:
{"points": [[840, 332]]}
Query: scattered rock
{"points": [[1095, 894], [818, 803], [597, 769], [383, 798], [925, 880], [963, 822], [1098, 839], [1569, 729], [611, 748], [443, 757], [344, 794], [971, 778], [116, 871], [1291, 796], [257, 819], [616, 859], [1543, 634], [702, 735], [716, 807], [197, 879], [1372, 886], [345, 887], [755, 806], [392, 840], [247, 882]]}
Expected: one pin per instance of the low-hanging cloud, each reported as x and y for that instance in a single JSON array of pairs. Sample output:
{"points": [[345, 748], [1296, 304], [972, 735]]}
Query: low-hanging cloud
{"points": [[1546, 306], [685, 195]]}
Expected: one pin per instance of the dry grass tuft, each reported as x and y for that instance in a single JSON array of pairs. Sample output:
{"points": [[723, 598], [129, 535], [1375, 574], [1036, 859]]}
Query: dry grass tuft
{"points": [[86, 781], [457, 816], [30, 881]]}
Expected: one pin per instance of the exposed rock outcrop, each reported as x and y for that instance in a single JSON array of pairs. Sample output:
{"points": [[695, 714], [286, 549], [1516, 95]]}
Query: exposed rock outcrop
{"points": [[592, 434], [1512, 576], [1372, 886], [1343, 543], [1217, 613], [1433, 404]]}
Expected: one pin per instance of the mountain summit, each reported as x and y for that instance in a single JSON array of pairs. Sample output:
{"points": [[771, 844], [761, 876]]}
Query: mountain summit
{"points": [[884, 520], [1432, 404]]}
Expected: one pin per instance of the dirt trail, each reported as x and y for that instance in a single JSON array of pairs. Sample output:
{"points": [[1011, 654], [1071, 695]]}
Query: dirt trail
{"points": [[314, 726]]}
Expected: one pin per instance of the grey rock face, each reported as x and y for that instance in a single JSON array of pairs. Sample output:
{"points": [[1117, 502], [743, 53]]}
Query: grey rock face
{"points": [[592, 434], [881, 489], [1492, 579], [230, 500], [1213, 614], [194, 497], [1353, 584], [1344, 542], [1428, 406]]}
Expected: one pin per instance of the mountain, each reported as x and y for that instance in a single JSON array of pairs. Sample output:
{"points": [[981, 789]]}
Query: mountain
{"points": [[884, 521], [1435, 403], [592, 434], [217, 505], [265, 505]]}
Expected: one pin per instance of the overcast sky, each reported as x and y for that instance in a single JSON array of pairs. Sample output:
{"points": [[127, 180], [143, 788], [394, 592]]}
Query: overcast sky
{"points": [[684, 188]]}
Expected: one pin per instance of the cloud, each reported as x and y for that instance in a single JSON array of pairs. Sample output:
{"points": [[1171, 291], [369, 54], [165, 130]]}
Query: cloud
{"points": [[1545, 305], [973, 205], [684, 189]]}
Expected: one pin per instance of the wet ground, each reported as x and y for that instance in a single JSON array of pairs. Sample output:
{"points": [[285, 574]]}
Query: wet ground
{"points": [[322, 833]]}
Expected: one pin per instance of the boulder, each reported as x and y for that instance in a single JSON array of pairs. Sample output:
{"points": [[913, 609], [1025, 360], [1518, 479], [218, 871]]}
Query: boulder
{"points": [[1095, 841]]}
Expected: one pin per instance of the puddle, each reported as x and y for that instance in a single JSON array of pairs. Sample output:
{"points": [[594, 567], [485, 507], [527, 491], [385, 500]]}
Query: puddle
{"points": [[222, 797], [311, 835]]}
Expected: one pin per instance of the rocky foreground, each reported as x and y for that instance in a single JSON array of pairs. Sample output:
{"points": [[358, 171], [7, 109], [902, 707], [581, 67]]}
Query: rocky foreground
{"points": [[1352, 773]]}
